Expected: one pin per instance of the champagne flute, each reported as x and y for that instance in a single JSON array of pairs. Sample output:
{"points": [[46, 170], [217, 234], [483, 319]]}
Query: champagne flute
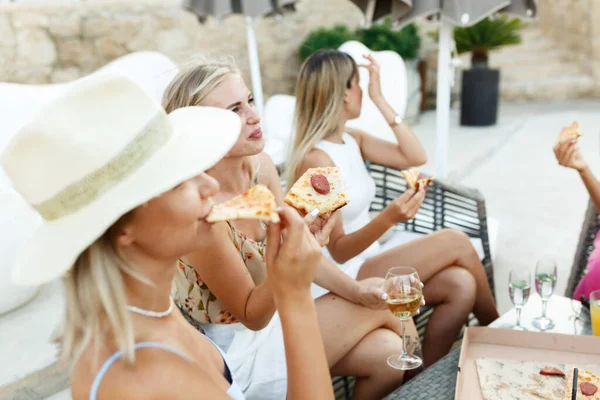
{"points": [[545, 282], [519, 288], [403, 289]]}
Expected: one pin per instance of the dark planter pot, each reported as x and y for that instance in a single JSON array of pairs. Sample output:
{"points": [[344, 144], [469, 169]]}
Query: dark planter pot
{"points": [[479, 97]]}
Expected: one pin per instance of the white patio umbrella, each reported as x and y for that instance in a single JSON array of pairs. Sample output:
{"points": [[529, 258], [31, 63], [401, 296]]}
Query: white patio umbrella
{"points": [[250, 9], [452, 13]]}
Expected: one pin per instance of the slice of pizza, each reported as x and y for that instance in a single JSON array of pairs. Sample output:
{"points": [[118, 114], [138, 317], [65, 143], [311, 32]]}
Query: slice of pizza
{"points": [[257, 203], [322, 188], [569, 132], [588, 385], [412, 179]]}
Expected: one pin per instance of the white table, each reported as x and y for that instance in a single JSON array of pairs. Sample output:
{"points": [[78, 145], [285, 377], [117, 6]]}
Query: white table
{"points": [[559, 310]]}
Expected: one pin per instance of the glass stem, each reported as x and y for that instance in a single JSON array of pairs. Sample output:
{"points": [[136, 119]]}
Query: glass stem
{"points": [[518, 310], [402, 329], [544, 306]]}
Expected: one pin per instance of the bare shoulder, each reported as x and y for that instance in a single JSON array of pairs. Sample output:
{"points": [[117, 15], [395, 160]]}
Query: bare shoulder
{"points": [[156, 374], [316, 158], [357, 134]]}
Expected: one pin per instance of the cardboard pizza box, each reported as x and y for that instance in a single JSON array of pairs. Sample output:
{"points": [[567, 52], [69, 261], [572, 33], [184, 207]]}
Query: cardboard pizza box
{"points": [[480, 342]]}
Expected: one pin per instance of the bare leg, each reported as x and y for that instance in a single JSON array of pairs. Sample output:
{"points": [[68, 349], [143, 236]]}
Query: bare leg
{"points": [[431, 254], [368, 338], [453, 292]]}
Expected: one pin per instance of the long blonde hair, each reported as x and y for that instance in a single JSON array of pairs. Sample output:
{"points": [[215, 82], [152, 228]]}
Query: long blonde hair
{"points": [[95, 294], [320, 88], [195, 82]]}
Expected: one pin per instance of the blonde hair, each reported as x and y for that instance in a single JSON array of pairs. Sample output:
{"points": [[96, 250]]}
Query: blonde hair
{"points": [[195, 82], [95, 294], [320, 88]]}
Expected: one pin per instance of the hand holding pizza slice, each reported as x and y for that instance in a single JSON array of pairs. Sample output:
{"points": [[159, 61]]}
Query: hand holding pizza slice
{"points": [[412, 179], [569, 132], [318, 188], [257, 203]]}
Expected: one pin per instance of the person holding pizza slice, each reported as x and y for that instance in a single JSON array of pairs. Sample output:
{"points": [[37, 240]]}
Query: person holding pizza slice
{"points": [[327, 96], [117, 213], [225, 286]]}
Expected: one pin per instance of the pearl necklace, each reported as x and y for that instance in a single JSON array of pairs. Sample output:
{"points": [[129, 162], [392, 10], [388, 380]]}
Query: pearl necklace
{"points": [[153, 314]]}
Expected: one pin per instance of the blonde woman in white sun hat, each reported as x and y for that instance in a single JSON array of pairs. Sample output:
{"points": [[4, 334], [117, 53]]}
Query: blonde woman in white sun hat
{"points": [[122, 192]]}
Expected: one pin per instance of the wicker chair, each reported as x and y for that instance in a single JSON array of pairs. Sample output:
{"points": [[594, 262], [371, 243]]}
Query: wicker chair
{"points": [[591, 225], [446, 206]]}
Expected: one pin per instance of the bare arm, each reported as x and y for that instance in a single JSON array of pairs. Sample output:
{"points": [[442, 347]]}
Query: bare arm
{"points": [[408, 152], [591, 184], [222, 269], [568, 155], [292, 264], [328, 274], [343, 246]]}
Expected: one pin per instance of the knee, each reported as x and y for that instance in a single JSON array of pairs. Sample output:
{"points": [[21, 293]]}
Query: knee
{"points": [[460, 285], [459, 241]]}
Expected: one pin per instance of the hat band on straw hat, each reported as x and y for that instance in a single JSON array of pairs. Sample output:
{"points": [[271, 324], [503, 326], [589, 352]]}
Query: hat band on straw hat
{"points": [[81, 193]]}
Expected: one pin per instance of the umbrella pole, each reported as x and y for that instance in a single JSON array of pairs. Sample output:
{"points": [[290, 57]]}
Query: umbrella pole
{"points": [[443, 99], [254, 66]]}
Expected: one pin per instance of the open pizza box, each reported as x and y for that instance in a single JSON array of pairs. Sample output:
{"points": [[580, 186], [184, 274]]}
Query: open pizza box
{"points": [[495, 343]]}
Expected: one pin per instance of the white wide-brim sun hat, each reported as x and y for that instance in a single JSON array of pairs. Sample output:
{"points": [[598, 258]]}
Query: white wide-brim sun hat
{"points": [[96, 152]]}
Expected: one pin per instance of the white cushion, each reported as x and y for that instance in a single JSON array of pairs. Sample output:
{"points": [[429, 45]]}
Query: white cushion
{"points": [[278, 124]]}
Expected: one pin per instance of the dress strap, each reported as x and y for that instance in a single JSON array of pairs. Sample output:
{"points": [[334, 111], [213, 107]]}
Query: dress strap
{"points": [[111, 360]]}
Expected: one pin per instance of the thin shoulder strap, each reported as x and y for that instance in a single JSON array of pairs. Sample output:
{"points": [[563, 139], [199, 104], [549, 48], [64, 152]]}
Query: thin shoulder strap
{"points": [[111, 360]]}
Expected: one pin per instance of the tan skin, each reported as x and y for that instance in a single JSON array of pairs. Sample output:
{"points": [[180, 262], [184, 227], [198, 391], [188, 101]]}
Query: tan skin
{"points": [[152, 238], [371, 333], [568, 155], [455, 281]]}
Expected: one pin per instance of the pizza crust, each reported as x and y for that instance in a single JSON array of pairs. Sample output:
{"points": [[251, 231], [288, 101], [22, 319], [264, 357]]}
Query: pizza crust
{"points": [[304, 198], [257, 203], [412, 179], [569, 132]]}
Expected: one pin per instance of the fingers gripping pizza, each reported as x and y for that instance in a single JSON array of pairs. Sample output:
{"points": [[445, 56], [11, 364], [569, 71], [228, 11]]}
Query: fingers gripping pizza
{"points": [[321, 188], [257, 203], [412, 179], [569, 132]]}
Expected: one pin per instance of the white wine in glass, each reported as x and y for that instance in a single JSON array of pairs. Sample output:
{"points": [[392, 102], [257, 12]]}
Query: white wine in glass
{"points": [[403, 289]]}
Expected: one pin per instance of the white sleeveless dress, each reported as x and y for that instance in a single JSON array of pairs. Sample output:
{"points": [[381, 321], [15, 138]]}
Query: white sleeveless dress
{"points": [[360, 187]]}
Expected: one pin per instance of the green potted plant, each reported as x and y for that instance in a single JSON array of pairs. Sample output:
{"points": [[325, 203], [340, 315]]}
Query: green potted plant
{"points": [[480, 84], [325, 38]]}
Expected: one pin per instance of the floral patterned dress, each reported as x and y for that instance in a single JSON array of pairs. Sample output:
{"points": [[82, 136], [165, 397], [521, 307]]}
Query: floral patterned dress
{"points": [[192, 294]]}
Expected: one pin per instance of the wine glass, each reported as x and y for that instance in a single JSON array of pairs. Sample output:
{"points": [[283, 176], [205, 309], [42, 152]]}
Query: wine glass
{"points": [[545, 282], [519, 288], [403, 289]]}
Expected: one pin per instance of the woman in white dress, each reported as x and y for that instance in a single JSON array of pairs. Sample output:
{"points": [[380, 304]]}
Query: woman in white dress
{"points": [[225, 286], [95, 163], [327, 96]]}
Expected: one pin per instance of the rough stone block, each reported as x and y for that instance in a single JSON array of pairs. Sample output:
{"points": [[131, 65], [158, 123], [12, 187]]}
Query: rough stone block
{"points": [[35, 47], [65, 26], [76, 52], [7, 36], [30, 20], [67, 74]]}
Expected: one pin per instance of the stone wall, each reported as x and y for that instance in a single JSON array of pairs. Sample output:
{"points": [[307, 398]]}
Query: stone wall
{"points": [[574, 25], [46, 43]]}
